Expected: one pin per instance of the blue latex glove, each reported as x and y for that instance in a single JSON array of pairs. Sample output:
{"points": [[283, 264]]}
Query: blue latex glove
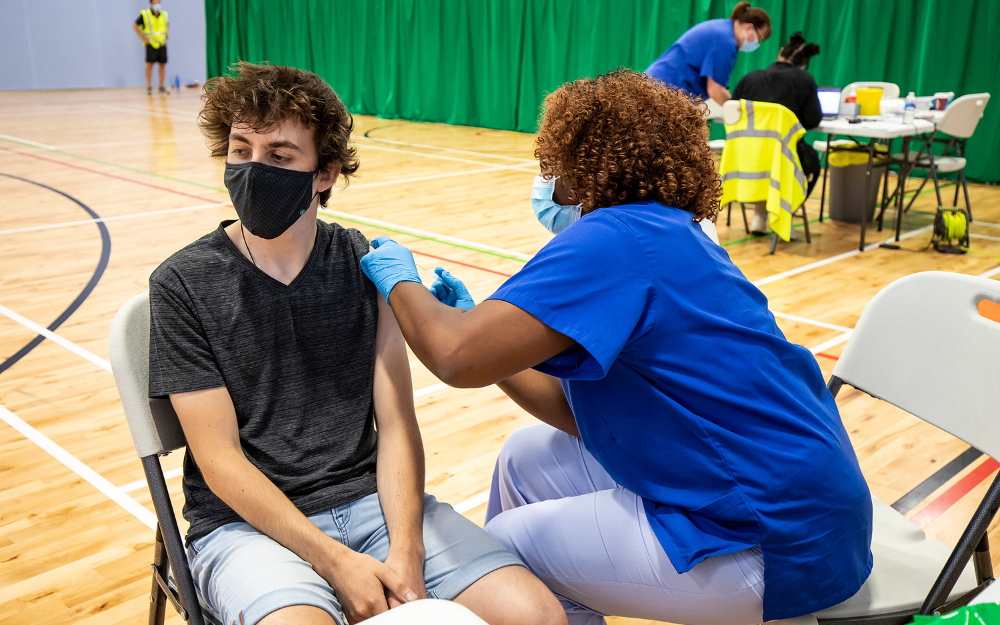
{"points": [[387, 264], [449, 290]]}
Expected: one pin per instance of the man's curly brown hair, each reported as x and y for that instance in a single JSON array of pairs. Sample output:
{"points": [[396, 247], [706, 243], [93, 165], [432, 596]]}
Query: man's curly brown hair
{"points": [[263, 96], [622, 138]]}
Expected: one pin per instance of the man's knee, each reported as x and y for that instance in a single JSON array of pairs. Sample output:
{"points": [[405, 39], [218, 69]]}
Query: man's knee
{"points": [[512, 596], [298, 615]]}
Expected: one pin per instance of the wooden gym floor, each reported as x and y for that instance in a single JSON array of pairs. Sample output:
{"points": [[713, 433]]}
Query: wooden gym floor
{"points": [[75, 517]]}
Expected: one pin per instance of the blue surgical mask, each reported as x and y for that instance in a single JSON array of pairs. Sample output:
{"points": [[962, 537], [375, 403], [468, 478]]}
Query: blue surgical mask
{"points": [[749, 46], [555, 217], [156, 7]]}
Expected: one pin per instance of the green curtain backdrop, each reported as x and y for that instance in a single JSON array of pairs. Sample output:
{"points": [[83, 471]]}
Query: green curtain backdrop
{"points": [[490, 63]]}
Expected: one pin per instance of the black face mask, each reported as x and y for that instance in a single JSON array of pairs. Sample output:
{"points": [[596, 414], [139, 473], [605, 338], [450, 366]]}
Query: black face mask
{"points": [[269, 199]]}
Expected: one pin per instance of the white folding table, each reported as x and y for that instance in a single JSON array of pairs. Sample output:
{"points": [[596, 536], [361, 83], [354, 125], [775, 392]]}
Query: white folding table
{"points": [[871, 129]]}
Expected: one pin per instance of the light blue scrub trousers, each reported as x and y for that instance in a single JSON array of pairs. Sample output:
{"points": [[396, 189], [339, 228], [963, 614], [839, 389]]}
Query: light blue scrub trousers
{"points": [[589, 541]]}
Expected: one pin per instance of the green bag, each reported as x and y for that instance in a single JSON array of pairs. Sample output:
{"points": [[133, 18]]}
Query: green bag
{"points": [[979, 614]]}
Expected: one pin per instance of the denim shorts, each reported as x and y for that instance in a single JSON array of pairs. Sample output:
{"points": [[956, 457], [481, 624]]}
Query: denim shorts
{"points": [[242, 575]]}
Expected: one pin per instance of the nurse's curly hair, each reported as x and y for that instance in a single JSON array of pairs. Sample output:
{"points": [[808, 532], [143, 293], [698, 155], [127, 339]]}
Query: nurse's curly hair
{"points": [[263, 96], [622, 138]]}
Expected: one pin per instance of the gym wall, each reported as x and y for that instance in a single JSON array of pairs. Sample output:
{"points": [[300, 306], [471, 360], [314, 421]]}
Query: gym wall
{"points": [[73, 44], [490, 62]]}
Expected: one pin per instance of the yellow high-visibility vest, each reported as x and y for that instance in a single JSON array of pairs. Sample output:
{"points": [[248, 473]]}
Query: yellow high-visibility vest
{"points": [[760, 164], [154, 27]]}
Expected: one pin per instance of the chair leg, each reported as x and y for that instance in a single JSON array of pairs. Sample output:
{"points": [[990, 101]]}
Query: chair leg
{"points": [[965, 189], [746, 224], [957, 190], [729, 214], [171, 540], [916, 193], [822, 191], [158, 598], [885, 197], [937, 187], [805, 223], [774, 242]]}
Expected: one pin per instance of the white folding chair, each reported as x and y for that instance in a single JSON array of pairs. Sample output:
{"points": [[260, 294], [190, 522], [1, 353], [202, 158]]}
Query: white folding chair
{"points": [[922, 345], [959, 122], [155, 432], [731, 114]]}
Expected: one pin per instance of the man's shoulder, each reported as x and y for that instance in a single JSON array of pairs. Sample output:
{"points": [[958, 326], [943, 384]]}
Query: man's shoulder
{"points": [[204, 257], [352, 238]]}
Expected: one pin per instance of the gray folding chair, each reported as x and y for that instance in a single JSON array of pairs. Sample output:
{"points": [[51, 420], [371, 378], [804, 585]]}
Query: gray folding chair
{"points": [[923, 346], [155, 432]]}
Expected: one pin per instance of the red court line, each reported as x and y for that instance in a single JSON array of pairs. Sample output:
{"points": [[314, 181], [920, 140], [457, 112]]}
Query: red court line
{"points": [[828, 356], [204, 199], [101, 173], [958, 490], [457, 262]]}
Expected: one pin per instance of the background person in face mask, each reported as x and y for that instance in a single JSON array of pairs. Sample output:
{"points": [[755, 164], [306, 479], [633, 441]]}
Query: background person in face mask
{"points": [[787, 82], [291, 381], [701, 61], [662, 381], [151, 26]]}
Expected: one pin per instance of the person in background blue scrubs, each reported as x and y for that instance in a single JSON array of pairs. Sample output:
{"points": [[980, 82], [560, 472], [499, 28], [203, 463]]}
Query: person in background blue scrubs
{"points": [[692, 466], [701, 61]]}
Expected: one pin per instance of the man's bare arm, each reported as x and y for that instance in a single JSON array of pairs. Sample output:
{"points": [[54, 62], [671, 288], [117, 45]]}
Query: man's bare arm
{"points": [[135, 27], [208, 419], [400, 453]]}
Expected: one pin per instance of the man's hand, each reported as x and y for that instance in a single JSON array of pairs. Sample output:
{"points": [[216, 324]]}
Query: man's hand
{"points": [[410, 568], [364, 586]]}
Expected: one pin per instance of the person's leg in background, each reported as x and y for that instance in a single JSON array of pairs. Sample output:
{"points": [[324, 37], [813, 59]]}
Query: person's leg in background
{"points": [[149, 77], [589, 540], [759, 225], [163, 74]]}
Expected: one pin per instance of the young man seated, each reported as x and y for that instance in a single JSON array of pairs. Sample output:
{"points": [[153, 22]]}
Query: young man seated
{"points": [[304, 476]]}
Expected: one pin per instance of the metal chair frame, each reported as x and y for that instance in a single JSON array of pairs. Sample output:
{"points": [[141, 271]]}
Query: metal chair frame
{"points": [[973, 545]]}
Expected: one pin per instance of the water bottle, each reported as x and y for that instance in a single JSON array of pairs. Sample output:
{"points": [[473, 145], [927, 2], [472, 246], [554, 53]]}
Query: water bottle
{"points": [[910, 108], [177, 82]]}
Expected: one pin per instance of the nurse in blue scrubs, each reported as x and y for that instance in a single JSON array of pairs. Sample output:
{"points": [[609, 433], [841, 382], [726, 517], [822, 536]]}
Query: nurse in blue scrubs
{"points": [[691, 466], [701, 61]]}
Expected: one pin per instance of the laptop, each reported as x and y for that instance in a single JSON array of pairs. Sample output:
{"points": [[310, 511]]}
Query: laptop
{"points": [[829, 101]]}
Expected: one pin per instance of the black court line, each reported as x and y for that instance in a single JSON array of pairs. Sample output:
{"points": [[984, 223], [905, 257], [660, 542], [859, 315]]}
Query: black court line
{"points": [[923, 490], [94, 279]]}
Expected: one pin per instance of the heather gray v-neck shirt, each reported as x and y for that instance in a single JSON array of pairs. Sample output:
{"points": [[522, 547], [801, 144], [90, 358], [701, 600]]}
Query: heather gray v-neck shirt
{"points": [[298, 361]]}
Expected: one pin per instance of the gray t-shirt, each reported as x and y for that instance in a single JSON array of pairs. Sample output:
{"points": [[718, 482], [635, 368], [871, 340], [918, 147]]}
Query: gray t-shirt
{"points": [[298, 361]]}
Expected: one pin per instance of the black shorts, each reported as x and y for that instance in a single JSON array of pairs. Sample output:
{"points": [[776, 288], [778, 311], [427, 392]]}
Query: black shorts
{"points": [[156, 55]]}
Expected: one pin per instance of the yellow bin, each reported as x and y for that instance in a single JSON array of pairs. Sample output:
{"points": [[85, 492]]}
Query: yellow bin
{"points": [[868, 100]]}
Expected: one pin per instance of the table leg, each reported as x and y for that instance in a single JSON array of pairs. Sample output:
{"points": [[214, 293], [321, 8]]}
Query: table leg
{"points": [[868, 190], [826, 165], [885, 189], [904, 172]]}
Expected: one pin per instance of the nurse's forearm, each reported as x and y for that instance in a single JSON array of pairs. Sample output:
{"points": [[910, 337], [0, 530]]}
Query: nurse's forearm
{"points": [[717, 92], [489, 343], [542, 397]]}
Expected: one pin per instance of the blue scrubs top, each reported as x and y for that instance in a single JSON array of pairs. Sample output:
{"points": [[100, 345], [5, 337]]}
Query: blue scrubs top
{"points": [[706, 49], [688, 394]]}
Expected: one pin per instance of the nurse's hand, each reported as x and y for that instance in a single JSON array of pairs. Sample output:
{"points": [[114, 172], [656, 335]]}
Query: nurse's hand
{"points": [[387, 264], [449, 290]]}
